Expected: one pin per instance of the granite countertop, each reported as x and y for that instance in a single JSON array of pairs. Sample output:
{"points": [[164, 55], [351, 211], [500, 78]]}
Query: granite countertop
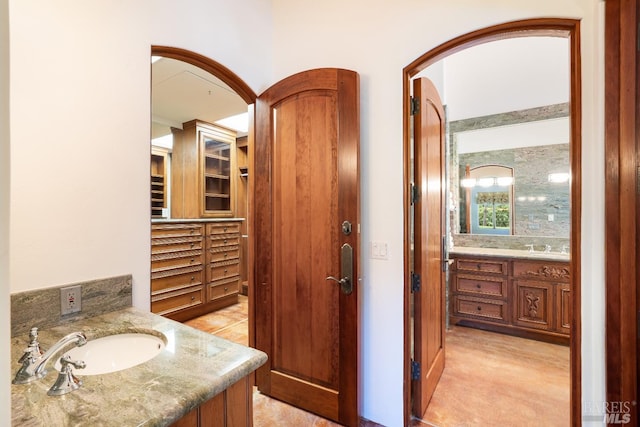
{"points": [[509, 253], [170, 220], [193, 367]]}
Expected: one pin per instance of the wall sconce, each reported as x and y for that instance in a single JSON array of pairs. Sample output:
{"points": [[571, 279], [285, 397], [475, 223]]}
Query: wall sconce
{"points": [[502, 181], [558, 178]]}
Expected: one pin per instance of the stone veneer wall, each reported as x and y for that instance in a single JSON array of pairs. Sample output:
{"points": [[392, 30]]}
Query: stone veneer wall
{"points": [[559, 229], [41, 308], [534, 197]]}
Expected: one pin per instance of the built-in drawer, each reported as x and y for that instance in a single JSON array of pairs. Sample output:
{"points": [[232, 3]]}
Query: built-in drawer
{"points": [[176, 279], [224, 288], [542, 270], [171, 260], [175, 244], [481, 266], [223, 240], [223, 270], [494, 310], [224, 253], [481, 285], [218, 228], [169, 302], [176, 230]]}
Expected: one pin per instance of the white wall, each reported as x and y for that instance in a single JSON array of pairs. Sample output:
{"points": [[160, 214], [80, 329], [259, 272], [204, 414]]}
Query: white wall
{"points": [[522, 73], [5, 380], [80, 109], [378, 38], [80, 92]]}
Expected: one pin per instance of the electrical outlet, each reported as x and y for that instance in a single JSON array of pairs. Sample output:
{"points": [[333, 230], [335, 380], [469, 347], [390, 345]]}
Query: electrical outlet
{"points": [[71, 299]]}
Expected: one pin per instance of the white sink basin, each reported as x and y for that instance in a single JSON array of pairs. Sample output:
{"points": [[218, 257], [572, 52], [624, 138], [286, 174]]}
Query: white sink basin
{"points": [[115, 352]]}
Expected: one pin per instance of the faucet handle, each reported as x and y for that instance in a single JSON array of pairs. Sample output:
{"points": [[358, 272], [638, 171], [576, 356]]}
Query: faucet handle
{"points": [[530, 248], [66, 381]]}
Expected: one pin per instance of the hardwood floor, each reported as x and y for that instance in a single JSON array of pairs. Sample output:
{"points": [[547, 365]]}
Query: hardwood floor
{"points": [[489, 379]]}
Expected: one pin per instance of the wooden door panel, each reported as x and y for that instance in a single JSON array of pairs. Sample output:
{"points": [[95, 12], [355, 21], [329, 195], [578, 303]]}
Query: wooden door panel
{"points": [[306, 185], [429, 302], [305, 243]]}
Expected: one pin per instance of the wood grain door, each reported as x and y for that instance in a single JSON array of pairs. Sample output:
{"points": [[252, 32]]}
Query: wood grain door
{"points": [[429, 302], [306, 188]]}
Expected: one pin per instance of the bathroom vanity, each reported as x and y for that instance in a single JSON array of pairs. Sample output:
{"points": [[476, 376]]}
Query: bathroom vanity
{"points": [[197, 379], [511, 291]]}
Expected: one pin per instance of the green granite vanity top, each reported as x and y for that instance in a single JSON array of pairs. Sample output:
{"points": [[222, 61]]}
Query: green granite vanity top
{"points": [[510, 253], [193, 367]]}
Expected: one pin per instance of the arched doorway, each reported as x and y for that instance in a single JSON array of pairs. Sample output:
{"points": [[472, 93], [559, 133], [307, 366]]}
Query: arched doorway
{"points": [[568, 29]]}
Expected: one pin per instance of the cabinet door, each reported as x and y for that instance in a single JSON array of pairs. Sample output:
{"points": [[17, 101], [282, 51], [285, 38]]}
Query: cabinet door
{"points": [[217, 188], [563, 308], [533, 304]]}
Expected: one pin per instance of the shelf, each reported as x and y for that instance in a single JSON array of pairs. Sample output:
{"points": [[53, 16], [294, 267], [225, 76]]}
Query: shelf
{"points": [[217, 176], [218, 195]]}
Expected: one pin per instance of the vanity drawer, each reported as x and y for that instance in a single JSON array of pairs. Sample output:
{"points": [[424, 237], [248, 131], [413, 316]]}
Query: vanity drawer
{"points": [[222, 270], [222, 289], [481, 266], [175, 244], [542, 270], [171, 260], [494, 310], [178, 278], [176, 230], [481, 285], [224, 253], [168, 302], [218, 228]]}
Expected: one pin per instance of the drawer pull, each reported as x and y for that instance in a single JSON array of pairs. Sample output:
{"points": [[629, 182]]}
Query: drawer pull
{"points": [[192, 260], [193, 298], [226, 288], [479, 266], [193, 278], [192, 244], [226, 255], [225, 271], [225, 241], [478, 285], [225, 229], [479, 308]]}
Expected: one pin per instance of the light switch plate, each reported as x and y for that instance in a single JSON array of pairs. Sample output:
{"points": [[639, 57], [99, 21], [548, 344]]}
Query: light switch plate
{"points": [[379, 250], [70, 299]]}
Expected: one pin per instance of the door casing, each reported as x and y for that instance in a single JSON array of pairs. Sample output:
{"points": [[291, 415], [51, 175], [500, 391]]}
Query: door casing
{"points": [[555, 27]]}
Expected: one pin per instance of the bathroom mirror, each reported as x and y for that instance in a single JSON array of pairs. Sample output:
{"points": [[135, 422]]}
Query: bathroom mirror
{"points": [[510, 173]]}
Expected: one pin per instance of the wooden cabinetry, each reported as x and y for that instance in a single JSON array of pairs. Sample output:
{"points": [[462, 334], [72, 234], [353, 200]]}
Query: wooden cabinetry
{"points": [[231, 408], [158, 182], [203, 183], [194, 267], [522, 297]]}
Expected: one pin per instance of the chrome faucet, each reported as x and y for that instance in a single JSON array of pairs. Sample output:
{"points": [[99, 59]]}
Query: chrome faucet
{"points": [[530, 248], [547, 249], [565, 249], [34, 361]]}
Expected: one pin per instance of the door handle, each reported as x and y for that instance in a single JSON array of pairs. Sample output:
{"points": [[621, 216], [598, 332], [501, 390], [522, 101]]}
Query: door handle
{"points": [[346, 270]]}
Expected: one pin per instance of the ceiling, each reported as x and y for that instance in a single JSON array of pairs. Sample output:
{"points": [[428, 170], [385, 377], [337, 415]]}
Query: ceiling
{"points": [[181, 92]]}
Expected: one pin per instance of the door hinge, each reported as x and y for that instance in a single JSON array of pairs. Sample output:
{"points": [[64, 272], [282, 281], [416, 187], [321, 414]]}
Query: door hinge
{"points": [[415, 370], [415, 282], [415, 193], [414, 105]]}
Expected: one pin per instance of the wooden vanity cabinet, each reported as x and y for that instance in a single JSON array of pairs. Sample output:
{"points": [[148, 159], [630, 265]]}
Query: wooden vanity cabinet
{"points": [[194, 267], [529, 298], [231, 408]]}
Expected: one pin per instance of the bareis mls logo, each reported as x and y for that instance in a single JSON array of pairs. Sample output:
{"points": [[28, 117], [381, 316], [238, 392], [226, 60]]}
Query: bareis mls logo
{"points": [[608, 412]]}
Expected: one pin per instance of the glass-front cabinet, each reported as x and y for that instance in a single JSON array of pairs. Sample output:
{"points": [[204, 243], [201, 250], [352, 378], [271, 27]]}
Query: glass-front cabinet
{"points": [[217, 174], [203, 184]]}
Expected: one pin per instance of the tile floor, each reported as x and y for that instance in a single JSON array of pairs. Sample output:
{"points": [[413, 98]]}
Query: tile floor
{"points": [[490, 379]]}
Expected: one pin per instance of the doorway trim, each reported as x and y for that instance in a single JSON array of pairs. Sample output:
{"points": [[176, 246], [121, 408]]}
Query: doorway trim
{"points": [[555, 27]]}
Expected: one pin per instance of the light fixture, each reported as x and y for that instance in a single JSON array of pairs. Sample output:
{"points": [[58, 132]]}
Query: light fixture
{"points": [[486, 182], [504, 181], [559, 177], [468, 182]]}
